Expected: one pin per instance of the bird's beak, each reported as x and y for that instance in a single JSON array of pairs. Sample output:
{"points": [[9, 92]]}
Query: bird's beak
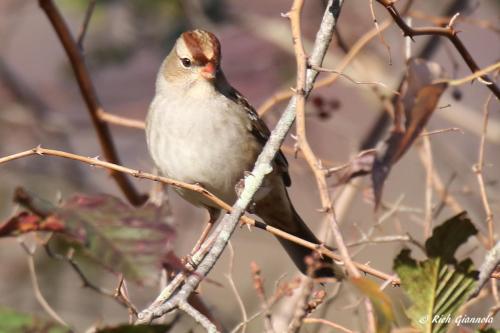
{"points": [[209, 70]]}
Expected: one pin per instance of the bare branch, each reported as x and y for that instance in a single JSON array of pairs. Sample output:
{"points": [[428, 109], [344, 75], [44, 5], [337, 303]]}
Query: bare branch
{"points": [[327, 323], [89, 95], [487, 269], [448, 32], [85, 24], [381, 37], [121, 121], [36, 287], [200, 318], [426, 159], [476, 75], [321, 69], [229, 277], [478, 169], [258, 285]]}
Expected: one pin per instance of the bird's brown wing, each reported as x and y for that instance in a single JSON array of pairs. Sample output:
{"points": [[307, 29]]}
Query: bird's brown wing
{"points": [[259, 130]]}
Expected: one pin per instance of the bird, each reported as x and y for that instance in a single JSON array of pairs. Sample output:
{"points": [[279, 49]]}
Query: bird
{"points": [[201, 130]]}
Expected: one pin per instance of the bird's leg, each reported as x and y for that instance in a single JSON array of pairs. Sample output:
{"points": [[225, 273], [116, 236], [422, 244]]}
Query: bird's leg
{"points": [[214, 214]]}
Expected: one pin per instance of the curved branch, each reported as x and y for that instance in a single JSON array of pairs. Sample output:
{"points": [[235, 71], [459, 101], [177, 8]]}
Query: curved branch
{"points": [[89, 95]]}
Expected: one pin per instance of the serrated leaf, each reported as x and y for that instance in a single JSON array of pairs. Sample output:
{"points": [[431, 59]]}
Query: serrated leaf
{"points": [[12, 321], [439, 285], [104, 230], [381, 303]]}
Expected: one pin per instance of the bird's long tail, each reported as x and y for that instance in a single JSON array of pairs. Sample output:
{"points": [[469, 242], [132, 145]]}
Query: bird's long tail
{"points": [[298, 253], [279, 212]]}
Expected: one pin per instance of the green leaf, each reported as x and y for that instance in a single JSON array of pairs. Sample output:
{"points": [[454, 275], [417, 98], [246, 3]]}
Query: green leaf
{"points": [[439, 285], [12, 321], [135, 329], [105, 230]]}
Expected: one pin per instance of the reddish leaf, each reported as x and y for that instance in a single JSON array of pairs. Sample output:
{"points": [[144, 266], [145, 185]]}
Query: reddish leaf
{"points": [[104, 230], [26, 222], [418, 99]]}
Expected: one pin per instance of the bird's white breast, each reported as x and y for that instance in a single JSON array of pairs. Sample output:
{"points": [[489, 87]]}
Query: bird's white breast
{"points": [[203, 139]]}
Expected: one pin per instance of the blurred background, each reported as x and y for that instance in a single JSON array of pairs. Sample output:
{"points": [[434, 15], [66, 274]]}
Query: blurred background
{"points": [[126, 41]]}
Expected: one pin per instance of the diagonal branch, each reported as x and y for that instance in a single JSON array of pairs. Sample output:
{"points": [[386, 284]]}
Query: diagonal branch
{"points": [[89, 95]]}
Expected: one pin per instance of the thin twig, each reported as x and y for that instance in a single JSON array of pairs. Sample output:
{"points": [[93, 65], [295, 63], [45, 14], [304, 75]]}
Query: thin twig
{"points": [[381, 239], [327, 323], [381, 37], [426, 159], [301, 306], [36, 287], [278, 294], [121, 294], [85, 24], [478, 169], [473, 76], [229, 277], [86, 283], [444, 130], [121, 121], [258, 284], [443, 190], [300, 94], [371, 324], [442, 20], [321, 69]]}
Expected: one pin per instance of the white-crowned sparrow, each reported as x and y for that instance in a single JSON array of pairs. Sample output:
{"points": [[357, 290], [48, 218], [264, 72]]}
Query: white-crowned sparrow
{"points": [[201, 130]]}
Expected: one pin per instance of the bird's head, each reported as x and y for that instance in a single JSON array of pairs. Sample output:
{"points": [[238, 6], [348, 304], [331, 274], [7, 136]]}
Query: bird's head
{"points": [[195, 56]]}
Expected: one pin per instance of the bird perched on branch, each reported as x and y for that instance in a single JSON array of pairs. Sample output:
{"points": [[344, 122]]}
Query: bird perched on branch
{"points": [[201, 130]]}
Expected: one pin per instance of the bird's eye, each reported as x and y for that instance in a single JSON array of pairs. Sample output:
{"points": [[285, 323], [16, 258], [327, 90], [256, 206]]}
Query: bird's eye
{"points": [[186, 62]]}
